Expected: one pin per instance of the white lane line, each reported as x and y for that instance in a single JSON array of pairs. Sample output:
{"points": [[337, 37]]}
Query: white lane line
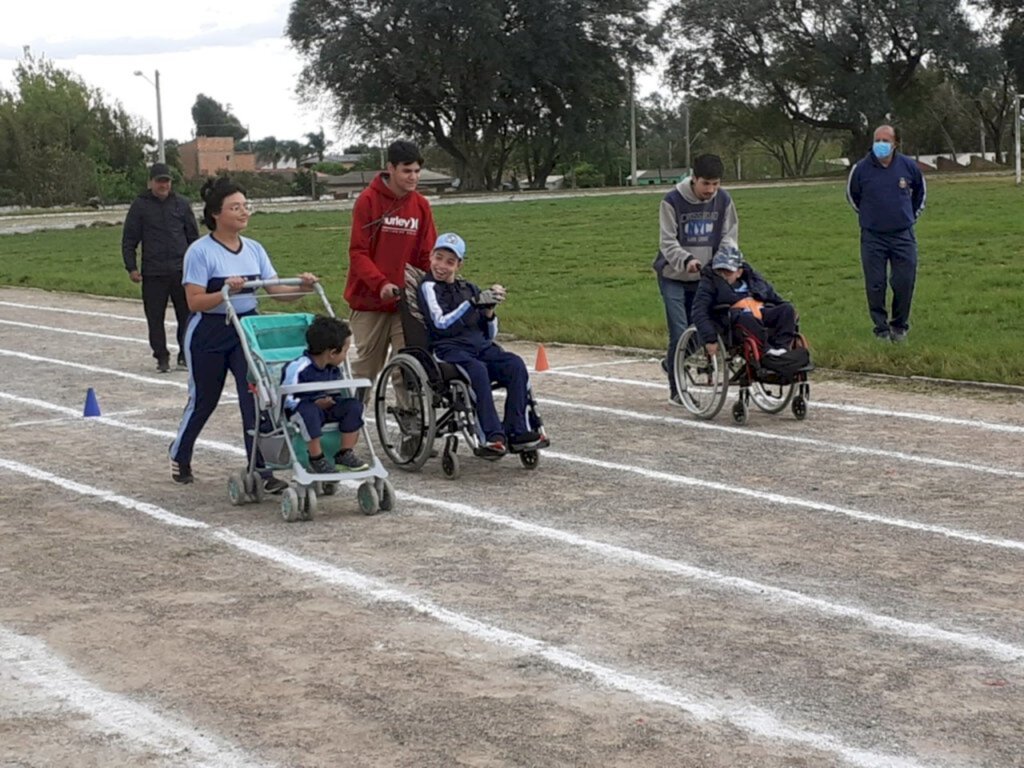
{"points": [[90, 334], [653, 474], [85, 313], [145, 508], [970, 423], [915, 416], [811, 442], [30, 670], [907, 630], [605, 364], [618, 412], [777, 498], [165, 380], [759, 722]]}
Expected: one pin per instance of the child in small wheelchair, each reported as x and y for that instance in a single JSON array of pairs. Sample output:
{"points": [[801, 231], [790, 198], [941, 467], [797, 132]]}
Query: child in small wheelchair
{"points": [[764, 353]]}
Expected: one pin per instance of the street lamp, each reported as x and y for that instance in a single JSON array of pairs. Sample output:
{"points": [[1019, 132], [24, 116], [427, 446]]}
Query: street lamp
{"points": [[159, 114]]}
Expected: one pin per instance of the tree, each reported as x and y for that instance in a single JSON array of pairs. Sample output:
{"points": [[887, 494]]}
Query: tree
{"points": [[487, 75], [268, 150], [316, 144], [212, 119], [61, 142], [835, 64]]}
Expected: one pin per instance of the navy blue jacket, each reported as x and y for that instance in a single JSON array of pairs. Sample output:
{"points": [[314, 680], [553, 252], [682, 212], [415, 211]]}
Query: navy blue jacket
{"points": [[165, 228], [452, 322], [302, 370], [889, 199], [715, 289]]}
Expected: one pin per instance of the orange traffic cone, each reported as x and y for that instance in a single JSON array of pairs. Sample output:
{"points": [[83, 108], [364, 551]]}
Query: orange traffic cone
{"points": [[542, 360]]}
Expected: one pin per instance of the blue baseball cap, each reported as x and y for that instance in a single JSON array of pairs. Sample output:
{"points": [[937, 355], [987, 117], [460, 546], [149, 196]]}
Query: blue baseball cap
{"points": [[449, 241]]}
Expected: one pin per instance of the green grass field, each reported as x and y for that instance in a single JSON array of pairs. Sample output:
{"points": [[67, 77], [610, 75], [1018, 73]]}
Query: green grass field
{"points": [[578, 270]]}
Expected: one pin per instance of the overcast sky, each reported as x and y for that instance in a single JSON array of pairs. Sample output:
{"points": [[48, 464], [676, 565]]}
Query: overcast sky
{"points": [[236, 53]]}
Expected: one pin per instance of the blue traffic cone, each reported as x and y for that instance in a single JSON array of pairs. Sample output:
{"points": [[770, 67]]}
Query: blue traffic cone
{"points": [[92, 406]]}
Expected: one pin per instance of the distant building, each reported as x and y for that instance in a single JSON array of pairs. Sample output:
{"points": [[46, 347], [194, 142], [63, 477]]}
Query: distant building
{"points": [[352, 183], [205, 155], [659, 176]]}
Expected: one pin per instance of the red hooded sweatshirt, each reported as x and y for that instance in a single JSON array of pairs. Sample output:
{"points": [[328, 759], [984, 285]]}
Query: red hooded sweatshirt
{"points": [[388, 232]]}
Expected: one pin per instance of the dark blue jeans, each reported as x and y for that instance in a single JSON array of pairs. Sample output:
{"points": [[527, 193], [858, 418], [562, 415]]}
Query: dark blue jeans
{"points": [[678, 303], [891, 256]]}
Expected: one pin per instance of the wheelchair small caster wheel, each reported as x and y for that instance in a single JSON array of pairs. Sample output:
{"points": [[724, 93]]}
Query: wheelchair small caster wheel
{"points": [[369, 501], [290, 509], [800, 407], [530, 459], [386, 491], [450, 465], [309, 504], [237, 491], [739, 412]]}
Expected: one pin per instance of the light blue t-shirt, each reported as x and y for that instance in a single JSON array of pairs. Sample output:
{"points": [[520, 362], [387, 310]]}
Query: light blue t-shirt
{"points": [[209, 263]]}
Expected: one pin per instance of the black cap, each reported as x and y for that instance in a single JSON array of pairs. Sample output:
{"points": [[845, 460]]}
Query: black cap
{"points": [[159, 171]]}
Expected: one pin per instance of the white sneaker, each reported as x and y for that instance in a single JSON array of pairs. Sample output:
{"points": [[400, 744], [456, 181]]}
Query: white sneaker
{"points": [[777, 351]]}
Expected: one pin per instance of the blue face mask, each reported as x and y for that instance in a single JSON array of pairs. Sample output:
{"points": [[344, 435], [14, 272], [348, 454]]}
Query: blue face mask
{"points": [[882, 149]]}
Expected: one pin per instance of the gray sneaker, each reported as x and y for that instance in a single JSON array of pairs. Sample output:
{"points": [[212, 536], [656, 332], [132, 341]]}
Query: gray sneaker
{"points": [[349, 462], [321, 466], [898, 337]]}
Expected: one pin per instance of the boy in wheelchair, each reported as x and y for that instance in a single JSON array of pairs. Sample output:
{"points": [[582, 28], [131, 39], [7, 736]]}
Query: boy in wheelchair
{"points": [[327, 343], [732, 294], [461, 327]]}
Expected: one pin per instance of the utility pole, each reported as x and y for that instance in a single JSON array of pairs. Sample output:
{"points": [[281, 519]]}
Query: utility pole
{"points": [[632, 130], [161, 156], [686, 132], [1016, 135]]}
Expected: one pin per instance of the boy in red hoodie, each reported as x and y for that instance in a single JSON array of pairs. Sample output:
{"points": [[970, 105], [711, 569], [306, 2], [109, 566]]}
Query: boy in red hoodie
{"points": [[392, 226]]}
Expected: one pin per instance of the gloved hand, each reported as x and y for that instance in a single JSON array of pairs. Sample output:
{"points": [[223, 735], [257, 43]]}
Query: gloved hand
{"points": [[499, 292], [487, 298]]}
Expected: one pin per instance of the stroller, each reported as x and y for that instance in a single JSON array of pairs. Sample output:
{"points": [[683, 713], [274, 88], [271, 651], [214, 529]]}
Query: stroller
{"points": [[269, 343]]}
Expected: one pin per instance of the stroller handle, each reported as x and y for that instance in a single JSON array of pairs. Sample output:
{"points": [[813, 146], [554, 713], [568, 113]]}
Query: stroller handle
{"points": [[255, 285]]}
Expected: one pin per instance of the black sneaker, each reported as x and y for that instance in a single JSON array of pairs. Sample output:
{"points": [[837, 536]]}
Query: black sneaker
{"points": [[273, 485], [181, 473], [163, 365], [349, 462], [321, 466], [182, 362]]}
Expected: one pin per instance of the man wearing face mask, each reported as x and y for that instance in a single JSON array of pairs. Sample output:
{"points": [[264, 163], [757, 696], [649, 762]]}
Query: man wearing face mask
{"points": [[887, 190]]}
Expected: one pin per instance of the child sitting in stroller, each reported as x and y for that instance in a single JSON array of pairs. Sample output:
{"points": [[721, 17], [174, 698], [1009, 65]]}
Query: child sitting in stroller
{"points": [[753, 304], [327, 343], [461, 326]]}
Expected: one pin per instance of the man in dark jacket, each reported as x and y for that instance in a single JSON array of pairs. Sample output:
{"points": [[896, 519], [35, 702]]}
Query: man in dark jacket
{"points": [[163, 222], [888, 192], [732, 292]]}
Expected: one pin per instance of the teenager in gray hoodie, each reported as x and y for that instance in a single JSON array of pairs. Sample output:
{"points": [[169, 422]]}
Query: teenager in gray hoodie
{"points": [[697, 218]]}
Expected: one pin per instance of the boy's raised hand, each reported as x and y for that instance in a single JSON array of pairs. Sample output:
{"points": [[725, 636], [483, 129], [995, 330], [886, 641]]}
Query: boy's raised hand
{"points": [[498, 291]]}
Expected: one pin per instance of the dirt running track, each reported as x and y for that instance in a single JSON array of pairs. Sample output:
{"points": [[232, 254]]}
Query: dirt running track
{"points": [[660, 592]]}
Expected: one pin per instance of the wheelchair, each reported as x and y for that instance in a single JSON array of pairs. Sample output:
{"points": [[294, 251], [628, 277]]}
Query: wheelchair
{"points": [[703, 380], [419, 400]]}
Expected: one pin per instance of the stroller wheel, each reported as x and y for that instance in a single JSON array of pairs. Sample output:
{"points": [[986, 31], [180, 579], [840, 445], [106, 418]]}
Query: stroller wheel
{"points": [[309, 503], [236, 488], [369, 502], [386, 491], [290, 510], [254, 486]]}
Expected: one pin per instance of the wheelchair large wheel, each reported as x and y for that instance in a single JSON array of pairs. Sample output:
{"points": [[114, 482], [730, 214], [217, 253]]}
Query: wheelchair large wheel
{"points": [[771, 398], [403, 407], [702, 380]]}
